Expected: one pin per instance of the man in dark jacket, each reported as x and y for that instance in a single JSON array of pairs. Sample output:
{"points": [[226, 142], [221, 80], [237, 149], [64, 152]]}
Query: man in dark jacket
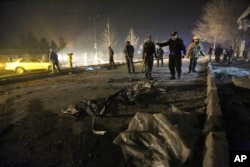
{"points": [[129, 54], [54, 60], [230, 55], [148, 52], [160, 53], [218, 51], [176, 47]]}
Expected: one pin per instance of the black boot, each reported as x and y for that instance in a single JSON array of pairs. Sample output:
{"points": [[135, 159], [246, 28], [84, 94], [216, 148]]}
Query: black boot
{"points": [[179, 76], [172, 77], [150, 77]]}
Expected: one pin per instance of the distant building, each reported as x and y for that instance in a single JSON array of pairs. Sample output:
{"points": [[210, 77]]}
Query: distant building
{"points": [[244, 20], [244, 24]]}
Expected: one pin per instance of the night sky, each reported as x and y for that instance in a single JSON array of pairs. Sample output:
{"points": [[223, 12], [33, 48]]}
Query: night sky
{"points": [[70, 18]]}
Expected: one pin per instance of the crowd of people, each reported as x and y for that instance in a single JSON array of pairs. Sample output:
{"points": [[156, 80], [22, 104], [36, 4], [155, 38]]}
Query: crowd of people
{"points": [[226, 52], [151, 51]]}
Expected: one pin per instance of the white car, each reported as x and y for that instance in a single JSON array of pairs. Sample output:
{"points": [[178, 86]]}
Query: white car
{"points": [[28, 64]]}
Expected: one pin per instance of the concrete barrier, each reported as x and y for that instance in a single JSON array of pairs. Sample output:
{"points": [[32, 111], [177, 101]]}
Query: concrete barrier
{"points": [[216, 151]]}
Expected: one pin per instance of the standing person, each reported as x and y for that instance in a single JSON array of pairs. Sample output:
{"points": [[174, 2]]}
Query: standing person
{"points": [[195, 50], [54, 60], [44, 57], [129, 54], [230, 55], [160, 53], [176, 46], [225, 54], [148, 56], [70, 59], [9, 58], [210, 52], [111, 58], [218, 51]]}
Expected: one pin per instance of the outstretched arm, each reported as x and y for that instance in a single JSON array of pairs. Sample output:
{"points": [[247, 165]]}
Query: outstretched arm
{"points": [[163, 44]]}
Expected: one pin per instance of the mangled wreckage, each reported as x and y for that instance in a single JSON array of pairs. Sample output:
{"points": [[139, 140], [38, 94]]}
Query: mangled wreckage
{"points": [[151, 140]]}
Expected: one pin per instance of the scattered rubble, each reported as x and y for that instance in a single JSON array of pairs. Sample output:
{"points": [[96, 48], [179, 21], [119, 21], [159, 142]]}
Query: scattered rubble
{"points": [[152, 141], [124, 96]]}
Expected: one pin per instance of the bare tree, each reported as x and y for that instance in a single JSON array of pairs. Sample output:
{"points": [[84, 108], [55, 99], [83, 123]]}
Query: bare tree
{"points": [[108, 36], [133, 38], [218, 23], [61, 43]]}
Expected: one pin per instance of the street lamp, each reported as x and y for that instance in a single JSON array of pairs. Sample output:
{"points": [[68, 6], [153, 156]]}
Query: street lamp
{"points": [[94, 28], [215, 38]]}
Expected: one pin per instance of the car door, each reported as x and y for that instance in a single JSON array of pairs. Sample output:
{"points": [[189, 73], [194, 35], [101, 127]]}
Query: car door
{"points": [[24, 63], [36, 64]]}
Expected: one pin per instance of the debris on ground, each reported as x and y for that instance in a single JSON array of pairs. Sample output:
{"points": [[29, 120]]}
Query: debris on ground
{"points": [[123, 95], [70, 110], [152, 141]]}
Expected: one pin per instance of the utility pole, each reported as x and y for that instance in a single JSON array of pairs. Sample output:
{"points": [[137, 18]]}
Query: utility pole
{"points": [[215, 37], [94, 29]]}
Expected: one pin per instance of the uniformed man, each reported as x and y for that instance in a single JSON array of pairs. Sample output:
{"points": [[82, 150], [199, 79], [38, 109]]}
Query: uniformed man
{"points": [[148, 56], [176, 47], [129, 54], [111, 58]]}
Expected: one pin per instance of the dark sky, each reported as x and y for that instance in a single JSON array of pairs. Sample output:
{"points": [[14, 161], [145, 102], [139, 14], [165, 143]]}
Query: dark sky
{"points": [[70, 18]]}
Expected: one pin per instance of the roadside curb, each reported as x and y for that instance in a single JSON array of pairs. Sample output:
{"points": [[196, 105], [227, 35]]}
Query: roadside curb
{"points": [[216, 151]]}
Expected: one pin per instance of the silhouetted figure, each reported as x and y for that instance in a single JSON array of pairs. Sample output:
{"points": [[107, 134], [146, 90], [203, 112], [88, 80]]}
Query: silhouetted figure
{"points": [[10, 59], [148, 54], [210, 52], [54, 60], [129, 55], [230, 55], [160, 54], [70, 59], [111, 58], [225, 55], [218, 51]]}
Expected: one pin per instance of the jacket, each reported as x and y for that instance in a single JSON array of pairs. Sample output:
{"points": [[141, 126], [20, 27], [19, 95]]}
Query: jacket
{"points": [[148, 49], [129, 51], [53, 57], [175, 46], [195, 50]]}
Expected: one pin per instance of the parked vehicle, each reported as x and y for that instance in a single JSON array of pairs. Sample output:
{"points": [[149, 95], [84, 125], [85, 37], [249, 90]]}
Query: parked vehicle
{"points": [[28, 64]]}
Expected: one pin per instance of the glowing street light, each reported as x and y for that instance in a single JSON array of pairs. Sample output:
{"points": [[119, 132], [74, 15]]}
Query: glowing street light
{"points": [[94, 28]]}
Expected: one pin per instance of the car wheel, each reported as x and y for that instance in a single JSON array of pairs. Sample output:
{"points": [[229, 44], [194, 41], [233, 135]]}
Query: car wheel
{"points": [[20, 70]]}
